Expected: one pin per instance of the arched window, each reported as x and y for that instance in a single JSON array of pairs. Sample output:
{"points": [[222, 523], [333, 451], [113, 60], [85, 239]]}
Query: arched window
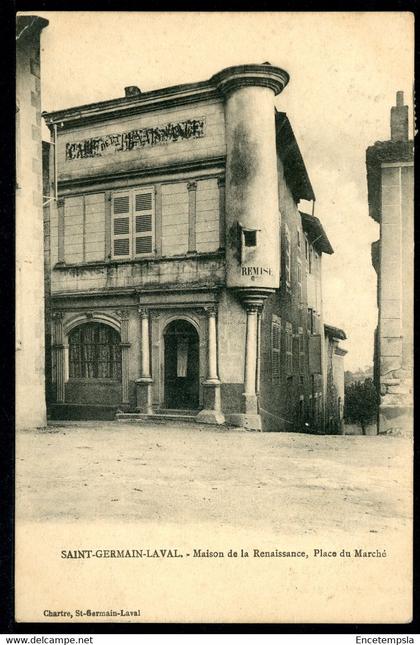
{"points": [[94, 352]]}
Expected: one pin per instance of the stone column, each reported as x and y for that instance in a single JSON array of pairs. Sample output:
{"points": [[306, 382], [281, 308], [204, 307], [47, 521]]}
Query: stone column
{"points": [[211, 386], [125, 346], [258, 383], [251, 354], [58, 348], [250, 418], [212, 345], [144, 383]]}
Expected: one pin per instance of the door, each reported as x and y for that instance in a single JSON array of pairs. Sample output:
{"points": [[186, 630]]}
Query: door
{"points": [[181, 366]]}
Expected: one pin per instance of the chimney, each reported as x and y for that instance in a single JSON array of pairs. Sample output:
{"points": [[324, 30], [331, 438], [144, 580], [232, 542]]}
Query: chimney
{"points": [[399, 119], [132, 90]]}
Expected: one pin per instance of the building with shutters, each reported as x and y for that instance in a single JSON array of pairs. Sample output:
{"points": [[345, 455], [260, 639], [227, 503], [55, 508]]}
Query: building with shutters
{"points": [[390, 179], [183, 277]]}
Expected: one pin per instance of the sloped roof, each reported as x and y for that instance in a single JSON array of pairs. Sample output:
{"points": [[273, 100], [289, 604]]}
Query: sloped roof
{"points": [[295, 172], [27, 25], [335, 332], [315, 231]]}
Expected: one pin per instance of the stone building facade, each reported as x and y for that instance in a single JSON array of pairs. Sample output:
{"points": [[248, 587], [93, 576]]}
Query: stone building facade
{"points": [[390, 178], [29, 329], [184, 279]]}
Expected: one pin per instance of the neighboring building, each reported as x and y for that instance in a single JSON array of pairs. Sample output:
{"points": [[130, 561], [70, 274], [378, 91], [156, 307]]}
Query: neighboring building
{"points": [[390, 176], [183, 276], [29, 331], [334, 386]]}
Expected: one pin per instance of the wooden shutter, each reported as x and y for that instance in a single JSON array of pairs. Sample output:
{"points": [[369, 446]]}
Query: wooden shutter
{"points": [[275, 349], [289, 349], [299, 279], [144, 216], [121, 225], [315, 348], [301, 352]]}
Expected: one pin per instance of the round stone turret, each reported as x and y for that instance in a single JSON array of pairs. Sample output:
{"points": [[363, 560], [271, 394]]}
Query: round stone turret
{"points": [[252, 209]]}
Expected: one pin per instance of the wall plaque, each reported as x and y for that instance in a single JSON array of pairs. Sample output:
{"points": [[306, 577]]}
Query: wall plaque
{"points": [[140, 138]]}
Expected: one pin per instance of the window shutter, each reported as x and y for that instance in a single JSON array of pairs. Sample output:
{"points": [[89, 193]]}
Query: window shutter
{"points": [[121, 225], [301, 352], [289, 349], [275, 349], [299, 279], [144, 215]]}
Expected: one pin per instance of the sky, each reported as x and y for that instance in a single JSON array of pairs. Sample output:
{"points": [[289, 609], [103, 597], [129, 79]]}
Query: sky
{"points": [[345, 69]]}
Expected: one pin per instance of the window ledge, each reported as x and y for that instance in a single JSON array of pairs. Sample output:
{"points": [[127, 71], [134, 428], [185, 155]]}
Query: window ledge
{"points": [[61, 266]]}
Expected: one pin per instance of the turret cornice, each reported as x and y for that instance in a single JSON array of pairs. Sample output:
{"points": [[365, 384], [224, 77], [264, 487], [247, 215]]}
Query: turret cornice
{"points": [[266, 75]]}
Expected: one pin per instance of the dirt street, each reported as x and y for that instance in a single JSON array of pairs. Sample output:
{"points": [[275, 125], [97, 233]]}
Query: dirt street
{"points": [[292, 483]]}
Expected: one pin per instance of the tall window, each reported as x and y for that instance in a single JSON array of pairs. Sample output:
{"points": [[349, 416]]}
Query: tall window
{"points": [[133, 214], [94, 352], [289, 348], [275, 348], [287, 253]]}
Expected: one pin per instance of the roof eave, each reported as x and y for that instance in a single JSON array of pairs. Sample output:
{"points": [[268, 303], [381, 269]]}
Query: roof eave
{"points": [[335, 332], [318, 236], [28, 24], [289, 152], [146, 101]]}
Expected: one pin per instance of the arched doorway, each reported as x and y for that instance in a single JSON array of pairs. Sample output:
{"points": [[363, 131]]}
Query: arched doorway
{"points": [[182, 365]]}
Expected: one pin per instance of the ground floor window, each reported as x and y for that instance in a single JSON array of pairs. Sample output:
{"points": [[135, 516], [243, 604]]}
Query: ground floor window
{"points": [[95, 352]]}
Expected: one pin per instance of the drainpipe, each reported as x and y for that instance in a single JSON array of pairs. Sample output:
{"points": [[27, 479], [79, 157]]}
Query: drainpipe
{"points": [[55, 164]]}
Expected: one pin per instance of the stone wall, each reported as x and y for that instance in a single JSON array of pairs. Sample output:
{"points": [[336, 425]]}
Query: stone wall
{"points": [[396, 298], [30, 341]]}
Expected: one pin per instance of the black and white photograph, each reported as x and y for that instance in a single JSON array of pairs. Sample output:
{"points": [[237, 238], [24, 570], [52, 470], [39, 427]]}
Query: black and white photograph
{"points": [[214, 317]]}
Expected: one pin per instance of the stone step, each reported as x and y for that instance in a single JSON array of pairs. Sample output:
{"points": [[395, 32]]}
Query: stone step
{"points": [[177, 412], [155, 418]]}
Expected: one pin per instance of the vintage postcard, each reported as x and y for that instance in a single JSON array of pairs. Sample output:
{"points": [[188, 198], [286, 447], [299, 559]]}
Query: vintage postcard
{"points": [[214, 292]]}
